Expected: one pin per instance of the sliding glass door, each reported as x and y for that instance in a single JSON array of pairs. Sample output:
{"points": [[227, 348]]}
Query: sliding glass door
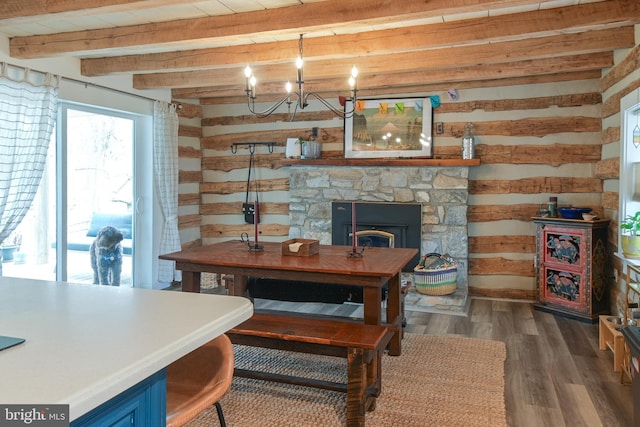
{"points": [[98, 202], [87, 195]]}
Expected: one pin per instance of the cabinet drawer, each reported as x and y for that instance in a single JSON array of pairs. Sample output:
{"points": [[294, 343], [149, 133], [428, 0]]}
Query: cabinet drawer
{"points": [[564, 246], [563, 287]]}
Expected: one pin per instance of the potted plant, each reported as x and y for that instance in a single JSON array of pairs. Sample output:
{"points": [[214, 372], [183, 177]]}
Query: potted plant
{"points": [[10, 246], [630, 235], [310, 147], [301, 141]]}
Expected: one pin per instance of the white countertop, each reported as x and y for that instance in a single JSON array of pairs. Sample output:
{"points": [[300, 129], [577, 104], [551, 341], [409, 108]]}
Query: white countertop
{"points": [[86, 343]]}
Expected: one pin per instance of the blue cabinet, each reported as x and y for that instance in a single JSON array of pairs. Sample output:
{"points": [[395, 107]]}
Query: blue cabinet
{"points": [[143, 405]]}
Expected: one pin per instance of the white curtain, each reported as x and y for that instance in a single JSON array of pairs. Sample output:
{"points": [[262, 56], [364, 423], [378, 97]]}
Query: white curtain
{"points": [[165, 165], [28, 106]]}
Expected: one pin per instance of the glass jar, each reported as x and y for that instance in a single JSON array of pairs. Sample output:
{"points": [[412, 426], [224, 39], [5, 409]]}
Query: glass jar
{"points": [[552, 207], [468, 142]]}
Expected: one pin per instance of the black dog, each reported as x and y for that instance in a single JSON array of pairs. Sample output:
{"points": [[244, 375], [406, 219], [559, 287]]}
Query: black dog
{"points": [[106, 256]]}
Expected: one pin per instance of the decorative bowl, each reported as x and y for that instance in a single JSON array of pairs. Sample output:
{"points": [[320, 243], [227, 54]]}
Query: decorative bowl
{"points": [[589, 216], [573, 213]]}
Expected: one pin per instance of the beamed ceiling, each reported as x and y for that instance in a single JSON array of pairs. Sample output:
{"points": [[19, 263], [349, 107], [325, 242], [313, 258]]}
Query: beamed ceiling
{"points": [[199, 49]]}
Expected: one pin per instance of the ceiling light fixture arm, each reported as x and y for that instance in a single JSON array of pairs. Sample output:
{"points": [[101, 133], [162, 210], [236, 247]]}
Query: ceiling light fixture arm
{"points": [[251, 103], [338, 112]]}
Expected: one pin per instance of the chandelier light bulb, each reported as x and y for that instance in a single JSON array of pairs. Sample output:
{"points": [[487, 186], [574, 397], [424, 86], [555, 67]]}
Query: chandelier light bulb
{"points": [[299, 62], [288, 87], [247, 74], [352, 79], [252, 83]]}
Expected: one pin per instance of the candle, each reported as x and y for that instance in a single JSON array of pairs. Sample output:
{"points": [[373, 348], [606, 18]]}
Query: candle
{"points": [[255, 219], [247, 74], [353, 225], [299, 63], [252, 82]]}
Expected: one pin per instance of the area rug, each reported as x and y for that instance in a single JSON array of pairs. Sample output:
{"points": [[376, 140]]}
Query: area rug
{"points": [[437, 381]]}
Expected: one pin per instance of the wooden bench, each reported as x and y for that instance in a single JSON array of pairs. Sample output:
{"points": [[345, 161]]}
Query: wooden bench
{"points": [[362, 345]]}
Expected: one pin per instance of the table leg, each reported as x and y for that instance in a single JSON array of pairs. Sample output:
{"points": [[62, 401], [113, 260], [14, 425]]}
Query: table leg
{"points": [[239, 286], [394, 314], [374, 376], [190, 281], [372, 297]]}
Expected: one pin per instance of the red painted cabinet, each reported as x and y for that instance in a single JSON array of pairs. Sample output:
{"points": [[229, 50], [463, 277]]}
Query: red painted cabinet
{"points": [[572, 267]]}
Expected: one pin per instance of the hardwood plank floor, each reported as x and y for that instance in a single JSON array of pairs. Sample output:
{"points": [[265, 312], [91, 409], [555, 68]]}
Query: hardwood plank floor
{"points": [[555, 374]]}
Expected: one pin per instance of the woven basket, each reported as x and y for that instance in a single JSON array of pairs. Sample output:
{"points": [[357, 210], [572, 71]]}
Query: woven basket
{"points": [[436, 282]]}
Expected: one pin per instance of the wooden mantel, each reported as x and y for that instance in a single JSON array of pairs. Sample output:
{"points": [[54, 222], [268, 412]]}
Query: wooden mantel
{"points": [[381, 162]]}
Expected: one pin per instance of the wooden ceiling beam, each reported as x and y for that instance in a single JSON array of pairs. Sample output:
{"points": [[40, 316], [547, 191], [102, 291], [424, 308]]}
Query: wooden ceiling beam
{"points": [[12, 9], [210, 96], [314, 16], [534, 48], [500, 47], [407, 81], [407, 39]]}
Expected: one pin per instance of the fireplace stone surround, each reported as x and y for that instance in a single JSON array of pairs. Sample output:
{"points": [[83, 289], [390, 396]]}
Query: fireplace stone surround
{"points": [[441, 191]]}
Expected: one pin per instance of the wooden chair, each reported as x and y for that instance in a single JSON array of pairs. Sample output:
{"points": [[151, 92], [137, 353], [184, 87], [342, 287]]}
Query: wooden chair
{"points": [[199, 380], [375, 238]]}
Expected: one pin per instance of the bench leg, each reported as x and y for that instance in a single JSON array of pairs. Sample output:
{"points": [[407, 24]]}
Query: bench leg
{"points": [[356, 387]]}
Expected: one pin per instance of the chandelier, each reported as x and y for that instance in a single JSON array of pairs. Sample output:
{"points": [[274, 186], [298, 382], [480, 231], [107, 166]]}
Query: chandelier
{"points": [[300, 97]]}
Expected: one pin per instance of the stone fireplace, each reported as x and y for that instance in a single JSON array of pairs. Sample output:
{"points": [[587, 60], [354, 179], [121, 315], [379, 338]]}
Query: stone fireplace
{"points": [[441, 192]]}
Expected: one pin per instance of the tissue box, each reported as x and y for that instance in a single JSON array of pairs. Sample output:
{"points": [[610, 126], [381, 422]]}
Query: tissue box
{"points": [[308, 247]]}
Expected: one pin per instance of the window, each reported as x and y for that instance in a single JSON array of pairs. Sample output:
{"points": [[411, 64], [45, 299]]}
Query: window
{"points": [[629, 192]]}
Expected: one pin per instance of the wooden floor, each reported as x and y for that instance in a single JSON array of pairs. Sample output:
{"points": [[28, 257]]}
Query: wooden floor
{"points": [[555, 374]]}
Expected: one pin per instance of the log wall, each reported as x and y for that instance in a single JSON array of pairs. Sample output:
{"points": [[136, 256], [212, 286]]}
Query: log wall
{"points": [[535, 139]]}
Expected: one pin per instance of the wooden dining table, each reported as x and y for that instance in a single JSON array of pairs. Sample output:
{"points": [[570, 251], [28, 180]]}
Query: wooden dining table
{"points": [[331, 265]]}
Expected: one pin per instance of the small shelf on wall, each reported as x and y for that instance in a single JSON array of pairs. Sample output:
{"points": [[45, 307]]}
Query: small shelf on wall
{"points": [[381, 162]]}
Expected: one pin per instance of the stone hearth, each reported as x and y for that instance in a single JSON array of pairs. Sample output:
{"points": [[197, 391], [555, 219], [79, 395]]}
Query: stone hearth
{"points": [[442, 192]]}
